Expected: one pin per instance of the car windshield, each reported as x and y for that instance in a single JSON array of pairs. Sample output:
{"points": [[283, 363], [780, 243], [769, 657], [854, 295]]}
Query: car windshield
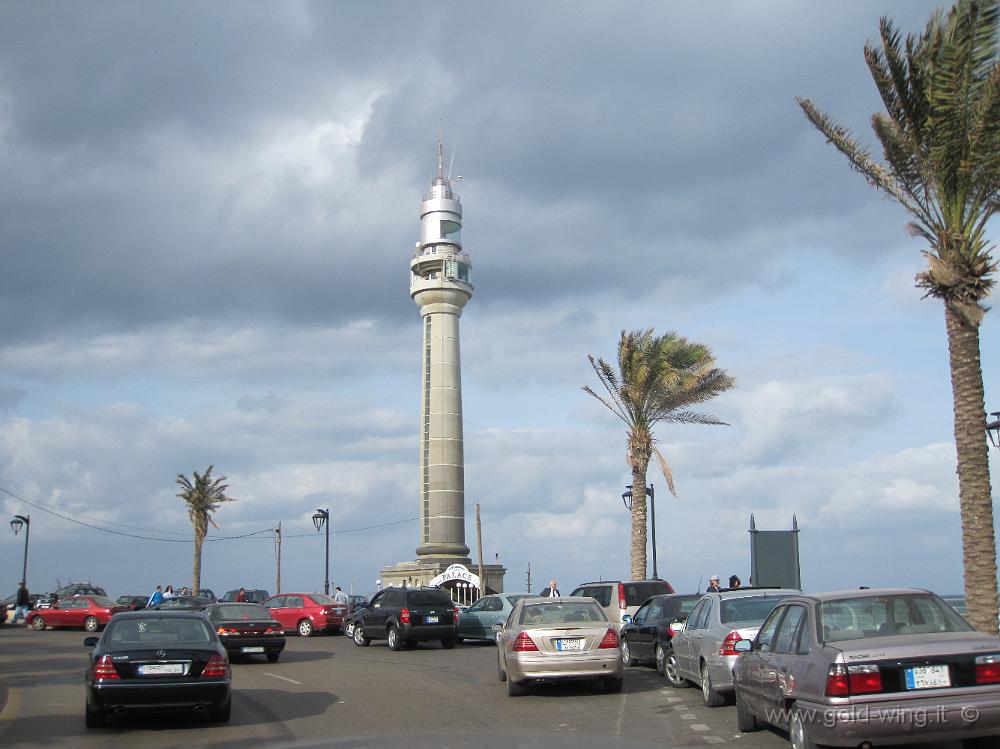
{"points": [[322, 599], [884, 616], [158, 630], [540, 615], [429, 598], [240, 612], [746, 609]]}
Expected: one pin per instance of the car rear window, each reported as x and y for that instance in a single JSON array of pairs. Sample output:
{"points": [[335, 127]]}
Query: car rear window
{"points": [[747, 609], [105, 602], [540, 615], [429, 598], [322, 599], [158, 630], [637, 593], [883, 616], [241, 612]]}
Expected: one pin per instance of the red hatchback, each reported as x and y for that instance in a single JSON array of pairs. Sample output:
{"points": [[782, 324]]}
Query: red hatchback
{"points": [[307, 613], [89, 612]]}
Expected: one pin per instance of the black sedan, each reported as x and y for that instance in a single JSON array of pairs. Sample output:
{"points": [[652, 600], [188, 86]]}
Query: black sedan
{"points": [[646, 637], [247, 628], [157, 661], [188, 603]]}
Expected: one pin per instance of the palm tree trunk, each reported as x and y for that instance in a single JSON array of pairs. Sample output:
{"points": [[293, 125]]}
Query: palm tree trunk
{"points": [[976, 502], [196, 576], [639, 518]]}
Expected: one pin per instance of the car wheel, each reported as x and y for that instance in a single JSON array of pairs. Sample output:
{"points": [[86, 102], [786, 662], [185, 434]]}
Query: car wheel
{"points": [[37, 623], [500, 672], [222, 714], [94, 718], [712, 698], [798, 732], [306, 628], [661, 658], [613, 686], [746, 721], [392, 636], [273, 656], [671, 673], [359, 636], [449, 642], [91, 624], [349, 629], [514, 689], [627, 658]]}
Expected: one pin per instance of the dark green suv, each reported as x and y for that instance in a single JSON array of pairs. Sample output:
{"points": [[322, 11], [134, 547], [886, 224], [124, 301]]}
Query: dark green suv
{"points": [[404, 616]]}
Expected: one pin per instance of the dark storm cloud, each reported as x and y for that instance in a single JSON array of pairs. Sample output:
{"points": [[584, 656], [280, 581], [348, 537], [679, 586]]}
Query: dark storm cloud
{"points": [[650, 135]]}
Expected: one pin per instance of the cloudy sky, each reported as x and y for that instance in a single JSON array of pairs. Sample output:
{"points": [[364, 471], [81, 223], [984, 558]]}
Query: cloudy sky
{"points": [[207, 216]]}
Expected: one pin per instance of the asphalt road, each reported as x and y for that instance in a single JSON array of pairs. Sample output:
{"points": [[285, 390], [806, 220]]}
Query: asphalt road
{"points": [[326, 691]]}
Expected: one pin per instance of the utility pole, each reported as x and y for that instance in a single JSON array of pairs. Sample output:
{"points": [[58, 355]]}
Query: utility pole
{"points": [[479, 545], [277, 551], [529, 577]]}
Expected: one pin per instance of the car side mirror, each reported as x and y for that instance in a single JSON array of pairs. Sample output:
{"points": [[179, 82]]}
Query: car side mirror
{"points": [[497, 627], [91, 642], [626, 618], [743, 646]]}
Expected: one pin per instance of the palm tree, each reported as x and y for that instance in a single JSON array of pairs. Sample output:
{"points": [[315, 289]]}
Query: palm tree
{"points": [[940, 137], [658, 379], [203, 495]]}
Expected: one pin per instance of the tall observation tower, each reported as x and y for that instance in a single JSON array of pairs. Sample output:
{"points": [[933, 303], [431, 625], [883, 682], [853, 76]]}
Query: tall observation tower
{"points": [[440, 287]]}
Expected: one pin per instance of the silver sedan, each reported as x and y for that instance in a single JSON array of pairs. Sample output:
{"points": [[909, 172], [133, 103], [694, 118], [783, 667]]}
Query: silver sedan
{"points": [[550, 639]]}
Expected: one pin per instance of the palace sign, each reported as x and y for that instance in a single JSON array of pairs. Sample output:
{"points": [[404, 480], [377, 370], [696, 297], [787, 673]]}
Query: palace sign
{"points": [[456, 572]]}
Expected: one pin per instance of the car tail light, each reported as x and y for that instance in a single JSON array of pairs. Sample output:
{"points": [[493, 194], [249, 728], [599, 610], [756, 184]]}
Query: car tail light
{"points": [[988, 669], [610, 639], [225, 631], [621, 597], [404, 616], [524, 644], [729, 642], [843, 680], [456, 612], [216, 667], [271, 630], [675, 628], [105, 669]]}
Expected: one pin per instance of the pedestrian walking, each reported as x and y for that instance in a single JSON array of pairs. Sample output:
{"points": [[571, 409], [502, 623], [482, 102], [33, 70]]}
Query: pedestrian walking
{"points": [[735, 582], [552, 591], [713, 585], [23, 604], [340, 596], [156, 598]]}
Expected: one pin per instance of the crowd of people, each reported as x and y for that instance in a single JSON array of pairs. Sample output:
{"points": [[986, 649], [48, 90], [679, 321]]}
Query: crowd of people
{"points": [[714, 587]]}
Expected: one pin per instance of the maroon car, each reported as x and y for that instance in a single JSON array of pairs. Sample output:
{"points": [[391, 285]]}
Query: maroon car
{"points": [[89, 612], [307, 613]]}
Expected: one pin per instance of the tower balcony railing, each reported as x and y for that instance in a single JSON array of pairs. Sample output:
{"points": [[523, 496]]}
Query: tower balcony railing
{"points": [[441, 251]]}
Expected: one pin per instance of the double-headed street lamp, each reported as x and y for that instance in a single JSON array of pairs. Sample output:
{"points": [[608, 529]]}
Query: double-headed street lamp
{"points": [[627, 500], [23, 521], [322, 519]]}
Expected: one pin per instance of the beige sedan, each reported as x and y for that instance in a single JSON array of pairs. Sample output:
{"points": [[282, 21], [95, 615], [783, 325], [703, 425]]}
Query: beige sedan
{"points": [[550, 639]]}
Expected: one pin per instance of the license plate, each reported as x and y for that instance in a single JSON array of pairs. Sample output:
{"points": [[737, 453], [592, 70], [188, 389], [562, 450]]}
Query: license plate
{"points": [[576, 644], [927, 677], [149, 669], [431, 620], [252, 650]]}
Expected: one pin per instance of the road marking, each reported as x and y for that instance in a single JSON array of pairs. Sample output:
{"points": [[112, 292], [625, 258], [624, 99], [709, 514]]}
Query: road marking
{"points": [[699, 727], [714, 739], [11, 709], [687, 716], [283, 678]]}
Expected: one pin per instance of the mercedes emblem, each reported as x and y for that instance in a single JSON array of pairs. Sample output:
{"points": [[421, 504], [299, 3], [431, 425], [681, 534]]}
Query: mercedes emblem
{"points": [[161, 653]]}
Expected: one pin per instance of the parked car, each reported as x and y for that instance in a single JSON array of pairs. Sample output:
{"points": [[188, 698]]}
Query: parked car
{"points": [[957, 602], [556, 639], [250, 595], [79, 589], [209, 594], [404, 616], [247, 628], [703, 653], [157, 660], [132, 603], [355, 601], [862, 667], [619, 598], [307, 613], [476, 622], [89, 612], [10, 602], [646, 637], [190, 603], [355, 616]]}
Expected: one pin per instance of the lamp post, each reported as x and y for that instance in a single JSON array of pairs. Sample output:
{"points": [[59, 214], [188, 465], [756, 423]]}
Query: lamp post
{"points": [[322, 519], [993, 429], [627, 500], [23, 521]]}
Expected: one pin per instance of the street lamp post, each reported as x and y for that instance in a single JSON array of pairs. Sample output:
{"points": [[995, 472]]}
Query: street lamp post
{"points": [[627, 500], [322, 519], [23, 521]]}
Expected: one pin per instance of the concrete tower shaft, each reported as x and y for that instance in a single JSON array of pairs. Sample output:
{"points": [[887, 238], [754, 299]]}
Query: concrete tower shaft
{"points": [[440, 286]]}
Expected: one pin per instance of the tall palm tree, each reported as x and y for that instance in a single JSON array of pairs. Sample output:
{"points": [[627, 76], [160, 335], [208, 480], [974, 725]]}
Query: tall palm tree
{"points": [[658, 379], [203, 496], [940, 137]]}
